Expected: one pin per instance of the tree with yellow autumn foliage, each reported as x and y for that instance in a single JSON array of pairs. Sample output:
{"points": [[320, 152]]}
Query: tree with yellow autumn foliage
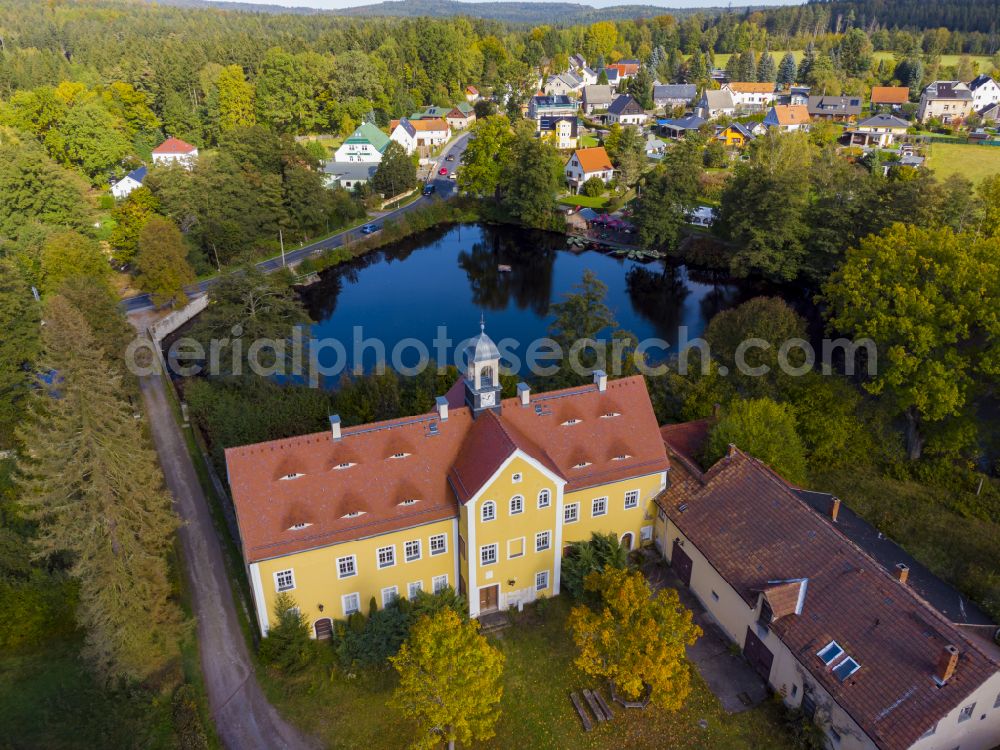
{"points": [[449, 681], [636, 639]]}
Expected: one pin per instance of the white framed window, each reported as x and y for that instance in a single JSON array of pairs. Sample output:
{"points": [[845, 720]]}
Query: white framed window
{"points": [[351, 603], [631, 499], [439, 544], [488, 554], [646, 533], [412, 589], [541, 580], [544, 499], [516, 477], [571, 513], [599, 507], [516, 505], [661, 515], [389, 595], [543, 540], [347, 566], [386, 556], [439, 583], [411, 550], [515, 548], [966, 712], [489, 511], [284, 580]]}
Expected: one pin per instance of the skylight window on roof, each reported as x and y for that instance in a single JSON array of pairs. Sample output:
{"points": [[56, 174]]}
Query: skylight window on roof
{"points": [[353, 514], [299, 526], [845, 669], [345, 465], [293, 475], [829, 652]]}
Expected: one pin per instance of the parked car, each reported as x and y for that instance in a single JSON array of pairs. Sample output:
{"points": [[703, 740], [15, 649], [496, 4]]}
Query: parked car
{"points": [[452, 176], [450, 157], [443, 171], [428, 189], [370, 228]]}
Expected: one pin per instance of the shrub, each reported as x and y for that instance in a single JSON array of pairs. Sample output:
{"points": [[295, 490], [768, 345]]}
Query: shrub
{"points": [[593, 188], [715, 154], [600, 552], [288, 645]]}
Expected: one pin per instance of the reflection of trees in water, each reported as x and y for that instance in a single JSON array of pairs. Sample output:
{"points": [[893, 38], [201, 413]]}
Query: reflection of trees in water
{"points": [[657, 293], [530, 255]]}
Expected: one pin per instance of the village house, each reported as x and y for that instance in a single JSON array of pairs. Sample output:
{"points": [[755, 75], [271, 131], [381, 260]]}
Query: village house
{"points": [[551, 106], [892, 97], [625, 110], [794, 95], [589, 76], [563, 84], [614, 77], [654, 147], [835, 108], [365, 144], [787, 118], [839, 621], [674, 95], [625, 69], [175, 151], [132, 181], [985, 92], [421, 136], [596, 98], [947, 101], [881, 131], [680, 126], [586, 163], [459, 117], [749, 96], [735, 135], [990, 113], [472, 94], [716, 103], [562, 131], [577, 61], [482, 494], [348, 174]]}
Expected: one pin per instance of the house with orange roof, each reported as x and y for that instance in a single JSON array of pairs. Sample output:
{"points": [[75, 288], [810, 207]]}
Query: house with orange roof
{"points": [[893, 97], [482, 494], [838, 620], [175, 151], [750, 96], [472, 94], [420, 135], [586, 163], [786, 118]]}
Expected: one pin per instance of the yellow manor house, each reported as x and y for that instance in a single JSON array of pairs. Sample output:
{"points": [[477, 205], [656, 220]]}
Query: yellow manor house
{"points": [[483, 494]]}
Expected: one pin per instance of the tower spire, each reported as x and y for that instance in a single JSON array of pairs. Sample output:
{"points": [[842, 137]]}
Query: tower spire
{"points": [[482, 322]]}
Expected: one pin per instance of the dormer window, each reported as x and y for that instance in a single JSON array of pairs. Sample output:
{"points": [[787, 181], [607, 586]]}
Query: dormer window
{"points": [[581, 465], [410, 501], [353, 514], [621, 457], [610, 414], [293, 475], [345, 465], [299, 526], [399, 455], [570, 422]]}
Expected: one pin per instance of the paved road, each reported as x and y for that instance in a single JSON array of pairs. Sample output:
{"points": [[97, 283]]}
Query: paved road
{"points": [[444, 188], [243, 717]]}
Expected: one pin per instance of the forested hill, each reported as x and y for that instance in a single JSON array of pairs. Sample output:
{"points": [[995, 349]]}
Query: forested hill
{"points": [[515, 12]]}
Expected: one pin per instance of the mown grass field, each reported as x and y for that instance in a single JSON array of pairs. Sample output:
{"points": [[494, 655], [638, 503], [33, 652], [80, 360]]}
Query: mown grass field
{"points": [[344, 712], [584, 200], [984, 62], [973, 161]]}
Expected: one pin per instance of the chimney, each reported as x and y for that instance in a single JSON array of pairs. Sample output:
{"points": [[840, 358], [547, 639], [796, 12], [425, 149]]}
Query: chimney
{"points": [[335, 426], [902, 572], [442, 407], [947, 662], [834, 508], [601, 380], [524, 393], [731, 450]]}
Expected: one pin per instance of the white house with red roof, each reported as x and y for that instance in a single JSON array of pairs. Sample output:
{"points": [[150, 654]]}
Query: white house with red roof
{"points": [[175, 151]]}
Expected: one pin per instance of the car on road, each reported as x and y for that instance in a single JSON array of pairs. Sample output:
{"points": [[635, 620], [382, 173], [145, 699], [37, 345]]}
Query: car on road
{"points": [[443, 171], [428, 189], [452, 176], [450, 157], [369, 228]]}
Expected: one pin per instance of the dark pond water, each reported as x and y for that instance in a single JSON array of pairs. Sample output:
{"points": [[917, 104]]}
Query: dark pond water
{"points": [[448, 277]]}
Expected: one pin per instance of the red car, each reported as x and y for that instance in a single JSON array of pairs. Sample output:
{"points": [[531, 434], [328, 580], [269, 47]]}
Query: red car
{"points": [[443, 170]]}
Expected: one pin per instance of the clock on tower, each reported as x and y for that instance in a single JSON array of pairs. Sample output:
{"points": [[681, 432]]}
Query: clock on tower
{"points": [[482, 374]]}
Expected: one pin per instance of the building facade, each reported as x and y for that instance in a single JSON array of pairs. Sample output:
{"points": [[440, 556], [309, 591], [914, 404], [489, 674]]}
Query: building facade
{"points": [[365, 145], [947, 101], [483, 495], [586, 163]]}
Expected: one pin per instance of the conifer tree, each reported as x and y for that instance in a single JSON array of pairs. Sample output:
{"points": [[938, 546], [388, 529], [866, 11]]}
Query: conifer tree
{"points": [[91, 482], [787, 70], [747, 67], [766, 71]]}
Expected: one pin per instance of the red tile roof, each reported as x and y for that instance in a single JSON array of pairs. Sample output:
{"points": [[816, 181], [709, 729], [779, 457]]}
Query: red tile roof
{"points": [[890, 95], [175, 146], [445, 465], [754, 529], [687, 439], [594, 159]]}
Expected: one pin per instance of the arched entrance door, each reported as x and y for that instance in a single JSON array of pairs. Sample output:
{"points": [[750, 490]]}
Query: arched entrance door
{"points": [[626, 540], [324, 628]]}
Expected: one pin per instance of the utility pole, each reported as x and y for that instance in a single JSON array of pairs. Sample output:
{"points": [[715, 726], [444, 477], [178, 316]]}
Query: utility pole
{"points": [[281, 241]]}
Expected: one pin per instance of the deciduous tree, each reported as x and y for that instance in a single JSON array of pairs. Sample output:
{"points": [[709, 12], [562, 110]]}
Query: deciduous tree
{"points": [[764, 429], [486, 157], [20, 316], [449, 681], [161, 266], [396, 172], [68, 254], [130, 217], [636, 638]]}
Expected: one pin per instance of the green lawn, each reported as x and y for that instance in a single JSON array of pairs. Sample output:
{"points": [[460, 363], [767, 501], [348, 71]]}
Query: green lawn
{"points": [[975, 162], [984, 61], [584, 200], [588, 141], [536, 713]]}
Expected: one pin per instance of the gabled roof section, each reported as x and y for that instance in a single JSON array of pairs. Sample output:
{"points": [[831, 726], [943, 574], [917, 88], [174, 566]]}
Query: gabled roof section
{"points": [[624, 104], [890, 95], [138, 174], [175, 146], [755, 530], [883, 121], [594, 159], [368, 133], [750, 87]]}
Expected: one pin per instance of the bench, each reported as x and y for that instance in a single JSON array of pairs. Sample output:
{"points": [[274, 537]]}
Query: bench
{"points": [[587, 723], [604, 706], [594, 707]]}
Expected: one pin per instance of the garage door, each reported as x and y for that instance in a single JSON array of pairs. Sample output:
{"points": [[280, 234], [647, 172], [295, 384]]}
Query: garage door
{"points": [[681, 563], [759, 656]]}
